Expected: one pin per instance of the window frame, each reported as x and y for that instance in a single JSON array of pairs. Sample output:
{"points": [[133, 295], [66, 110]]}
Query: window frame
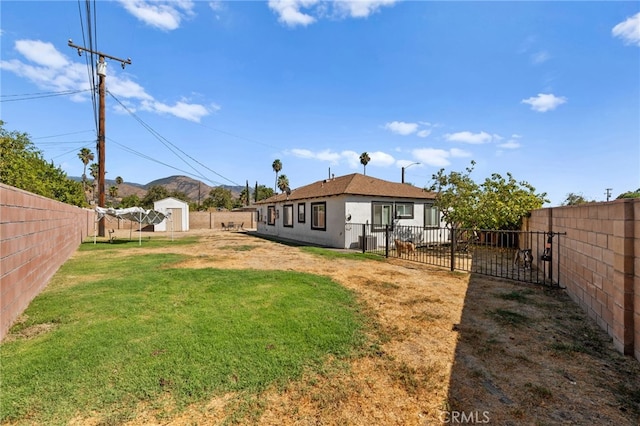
{"points": [[271, 215], [381, 226], [314, 224], [287, 208], [429, 208], [405, 216], [302, 212]]}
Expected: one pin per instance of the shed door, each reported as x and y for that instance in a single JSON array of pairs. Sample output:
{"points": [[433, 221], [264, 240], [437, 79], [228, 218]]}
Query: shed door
{"points": [[176, 216]]}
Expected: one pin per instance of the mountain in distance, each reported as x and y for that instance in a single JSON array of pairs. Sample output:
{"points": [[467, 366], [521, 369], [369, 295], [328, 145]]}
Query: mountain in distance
{"points": [[193, 188]]}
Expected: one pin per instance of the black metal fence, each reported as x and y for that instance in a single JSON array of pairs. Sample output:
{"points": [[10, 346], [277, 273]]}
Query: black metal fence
{"points": [[518, 255]]}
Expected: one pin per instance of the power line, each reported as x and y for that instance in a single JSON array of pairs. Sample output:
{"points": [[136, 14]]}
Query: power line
{"points": [[62, 134], [172, 146], [30, 96], [147, 157]]}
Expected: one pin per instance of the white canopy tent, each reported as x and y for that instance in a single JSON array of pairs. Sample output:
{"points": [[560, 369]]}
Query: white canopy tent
{"points": [[133, 214]]}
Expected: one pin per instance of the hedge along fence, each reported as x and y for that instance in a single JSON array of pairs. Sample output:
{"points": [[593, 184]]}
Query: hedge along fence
{"points": [[37, 235], [599, 263]]}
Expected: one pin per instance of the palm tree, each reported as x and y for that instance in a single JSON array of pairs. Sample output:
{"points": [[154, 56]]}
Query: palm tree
{"points": [[364, 160], [119, 180], [86, 156], [113, 191], [283, 182], [94, 171], [276, 166]]}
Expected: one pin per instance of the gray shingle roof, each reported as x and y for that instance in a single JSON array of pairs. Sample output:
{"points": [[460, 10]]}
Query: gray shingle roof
{"points": [[353, 184]]}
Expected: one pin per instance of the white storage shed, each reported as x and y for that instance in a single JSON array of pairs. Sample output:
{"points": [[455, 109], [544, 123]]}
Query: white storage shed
{"points": [[179, 210]]}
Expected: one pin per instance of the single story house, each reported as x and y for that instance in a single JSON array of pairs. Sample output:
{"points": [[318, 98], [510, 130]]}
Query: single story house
{"points": [[179, 210], [332, 212]]}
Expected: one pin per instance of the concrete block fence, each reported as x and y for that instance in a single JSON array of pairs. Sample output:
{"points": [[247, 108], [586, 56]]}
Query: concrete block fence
{"points": [[599, 263], [37, 235]]}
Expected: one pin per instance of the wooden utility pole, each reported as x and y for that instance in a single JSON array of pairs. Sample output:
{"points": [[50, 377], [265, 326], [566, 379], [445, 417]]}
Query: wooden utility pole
{"points": [[102, 73]]}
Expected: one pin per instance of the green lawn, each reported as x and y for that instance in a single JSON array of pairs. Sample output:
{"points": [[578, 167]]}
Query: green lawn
{"points": [[131, 329]]}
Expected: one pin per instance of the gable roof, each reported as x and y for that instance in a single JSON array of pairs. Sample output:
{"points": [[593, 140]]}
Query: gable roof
{"points": [[353, 184]]}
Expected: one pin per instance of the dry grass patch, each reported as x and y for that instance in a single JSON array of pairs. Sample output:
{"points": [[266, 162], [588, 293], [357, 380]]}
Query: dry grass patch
{"points": [[438, 342]]}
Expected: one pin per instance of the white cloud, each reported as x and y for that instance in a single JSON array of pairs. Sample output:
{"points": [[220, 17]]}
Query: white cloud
{"points": [[289, 13], [54, 71], [42, 53], [628, 30], [127, 89], [163, 14], [325, 155], [432, 156], [380, 159], [459, 153], [540, 57], [351, 158], [510, 144], [191, 112], [424, 133], [361, 8], [468, 137], [545, 102], [49, 69], [401, 128], [305, 12]]}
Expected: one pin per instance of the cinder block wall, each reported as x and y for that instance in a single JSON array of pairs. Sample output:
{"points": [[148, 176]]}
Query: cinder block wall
{"points": [[599, 265], [214, 220], [37, 235]]}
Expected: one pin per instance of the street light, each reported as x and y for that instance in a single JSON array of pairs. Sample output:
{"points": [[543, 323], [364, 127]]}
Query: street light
{"points": [[406, 167]]}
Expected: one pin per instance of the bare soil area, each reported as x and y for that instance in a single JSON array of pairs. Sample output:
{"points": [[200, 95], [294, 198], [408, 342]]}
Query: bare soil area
{"points": [[447, 348]]}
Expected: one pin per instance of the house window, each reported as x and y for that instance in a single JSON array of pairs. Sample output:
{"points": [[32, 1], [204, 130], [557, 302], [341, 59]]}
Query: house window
{"points": [[381, 215], [404, 210], [301, 213], [431, 216], [271, 215], [318, 219], [287, 215]]}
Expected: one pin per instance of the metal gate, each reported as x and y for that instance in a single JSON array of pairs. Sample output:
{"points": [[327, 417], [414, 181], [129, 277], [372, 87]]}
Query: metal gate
{"points": [[528, 256]]}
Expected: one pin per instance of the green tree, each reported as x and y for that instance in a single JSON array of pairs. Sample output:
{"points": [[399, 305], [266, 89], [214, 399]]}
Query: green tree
{"points": [[283, 183], [113, 191], [497, 203], [22, 166], [155, 193], [119, 180], [130, 201], [364, 160], [219, 198], [86, 156], [574, 199], [263, 192], [94, 172], [629, 194], [277, 167]]}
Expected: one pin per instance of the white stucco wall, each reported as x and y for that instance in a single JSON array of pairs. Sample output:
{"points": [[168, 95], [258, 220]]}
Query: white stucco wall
{"points": [[164, 206], [345, 215], [332, 236]]}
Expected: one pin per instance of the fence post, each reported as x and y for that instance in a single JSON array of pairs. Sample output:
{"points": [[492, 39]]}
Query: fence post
{"points": [[364, 238], [386, 242], [453, 248]]}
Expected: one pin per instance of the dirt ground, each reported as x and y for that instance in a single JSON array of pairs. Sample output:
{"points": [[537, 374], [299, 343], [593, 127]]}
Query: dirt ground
{"points": [[450, 348]]}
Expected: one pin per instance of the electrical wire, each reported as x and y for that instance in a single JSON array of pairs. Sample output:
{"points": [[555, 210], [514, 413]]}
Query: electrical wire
{"points": [[147, 157], [172, 147], [90, 67], [30, 96]]}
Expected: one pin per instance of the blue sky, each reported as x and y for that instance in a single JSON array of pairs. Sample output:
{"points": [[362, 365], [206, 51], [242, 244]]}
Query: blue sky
{"points": [[549, 91]]}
